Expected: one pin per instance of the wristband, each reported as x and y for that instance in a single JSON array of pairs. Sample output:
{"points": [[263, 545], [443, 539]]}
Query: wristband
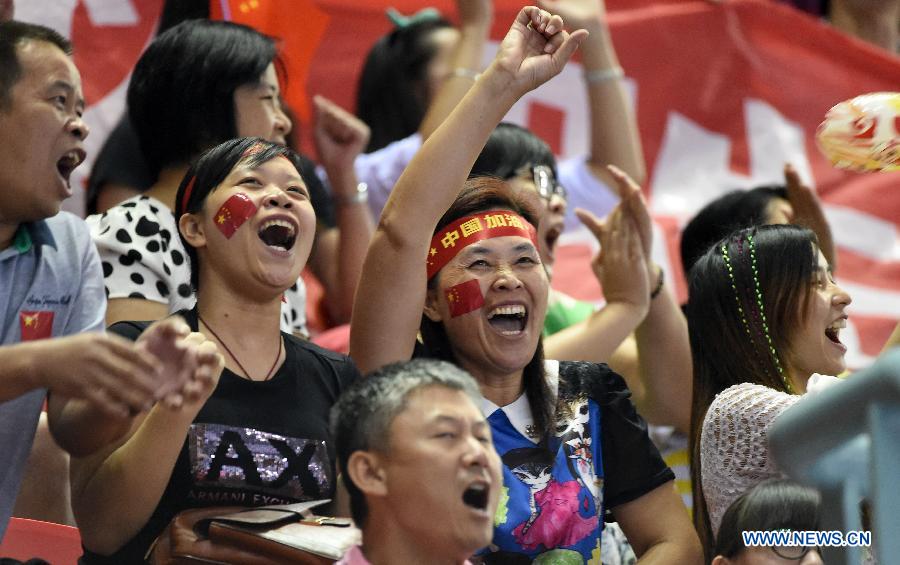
{"points": [[465, 73], [361, 196], [602, 75]]}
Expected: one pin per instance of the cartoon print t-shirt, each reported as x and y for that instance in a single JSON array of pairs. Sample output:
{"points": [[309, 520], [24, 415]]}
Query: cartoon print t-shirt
{"points": [[253, 443], [556, 490]]}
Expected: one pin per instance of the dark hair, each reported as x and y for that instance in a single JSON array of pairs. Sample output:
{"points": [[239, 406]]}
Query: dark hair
{"points": [[210, 171], [509, 148], [181, 95], [362, 417], [392, 94], [730, 212], [478, 195], [12, 35], [774, 504], [778, 261]]}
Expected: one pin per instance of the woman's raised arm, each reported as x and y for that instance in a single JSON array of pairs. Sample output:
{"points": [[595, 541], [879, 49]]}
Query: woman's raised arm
{"points": [[391, 293]]}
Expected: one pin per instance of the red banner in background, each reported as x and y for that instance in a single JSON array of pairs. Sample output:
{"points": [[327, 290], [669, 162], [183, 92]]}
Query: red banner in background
{"points": [[299, 24], [105, 48], [725, 94]]}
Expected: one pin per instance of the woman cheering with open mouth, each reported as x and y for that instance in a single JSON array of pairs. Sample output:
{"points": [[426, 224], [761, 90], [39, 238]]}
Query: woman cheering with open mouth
{"points": [[570, 440]]}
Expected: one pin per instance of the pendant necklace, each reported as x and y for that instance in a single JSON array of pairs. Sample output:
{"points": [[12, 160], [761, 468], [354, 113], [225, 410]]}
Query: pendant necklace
{"points": [[232, 355]]}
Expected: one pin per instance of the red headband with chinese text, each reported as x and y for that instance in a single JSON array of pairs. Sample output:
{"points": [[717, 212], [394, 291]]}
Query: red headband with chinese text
{"points": [[453, 238]]}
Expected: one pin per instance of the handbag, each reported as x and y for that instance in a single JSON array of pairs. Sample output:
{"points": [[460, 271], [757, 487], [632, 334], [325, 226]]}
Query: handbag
{"points": [[265, 535]]}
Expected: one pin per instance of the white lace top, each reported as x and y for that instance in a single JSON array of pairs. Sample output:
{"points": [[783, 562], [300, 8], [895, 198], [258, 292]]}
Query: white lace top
{"points": [[734, 444]]}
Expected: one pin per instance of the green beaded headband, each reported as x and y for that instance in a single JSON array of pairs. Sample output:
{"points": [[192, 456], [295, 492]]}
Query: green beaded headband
{"points": [[756, 302]]}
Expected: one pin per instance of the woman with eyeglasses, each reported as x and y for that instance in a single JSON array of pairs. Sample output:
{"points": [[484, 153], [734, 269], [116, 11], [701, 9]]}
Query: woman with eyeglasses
{"points": [[612, 129], [656, 362], [772, 505]]}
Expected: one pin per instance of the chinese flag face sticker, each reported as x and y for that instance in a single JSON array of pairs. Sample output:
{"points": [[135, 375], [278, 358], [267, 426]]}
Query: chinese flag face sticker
{"points": [[234, 212], [464, 297], [36, 325]]}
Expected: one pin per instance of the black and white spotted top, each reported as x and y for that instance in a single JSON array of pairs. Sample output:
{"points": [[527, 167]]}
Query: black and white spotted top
{"points": [[143, 257]]}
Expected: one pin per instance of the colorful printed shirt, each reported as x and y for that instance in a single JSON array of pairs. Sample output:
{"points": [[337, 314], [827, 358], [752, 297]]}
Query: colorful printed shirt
{"points": [[555, 491]]}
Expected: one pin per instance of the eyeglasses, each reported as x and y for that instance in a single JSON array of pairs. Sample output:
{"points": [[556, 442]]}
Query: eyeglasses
{"points": [[794, 553], [544, 181]]}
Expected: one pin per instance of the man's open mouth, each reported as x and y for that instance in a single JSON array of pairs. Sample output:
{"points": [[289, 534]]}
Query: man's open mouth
{"points": [[477, 495], [68, 162]]}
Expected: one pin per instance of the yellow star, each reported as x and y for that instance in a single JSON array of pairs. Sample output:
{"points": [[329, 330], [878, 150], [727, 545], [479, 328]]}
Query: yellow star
{"points": [[433, 252], [221, 219], [29, 320]]}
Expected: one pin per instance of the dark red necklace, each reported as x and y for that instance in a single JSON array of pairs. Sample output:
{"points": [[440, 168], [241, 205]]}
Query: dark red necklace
{"points": [[232, 355]]}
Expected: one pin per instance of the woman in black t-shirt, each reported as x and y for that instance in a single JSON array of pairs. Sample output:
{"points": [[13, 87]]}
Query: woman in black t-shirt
{"points": [[260, 435]]}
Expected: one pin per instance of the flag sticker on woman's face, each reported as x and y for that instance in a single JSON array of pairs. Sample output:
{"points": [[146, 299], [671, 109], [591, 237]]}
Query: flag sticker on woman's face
{"points": [[234, 212], [464, 297]]}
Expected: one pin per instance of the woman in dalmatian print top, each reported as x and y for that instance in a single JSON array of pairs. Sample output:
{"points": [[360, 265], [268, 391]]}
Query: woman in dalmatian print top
{"points": [[198, 84]]}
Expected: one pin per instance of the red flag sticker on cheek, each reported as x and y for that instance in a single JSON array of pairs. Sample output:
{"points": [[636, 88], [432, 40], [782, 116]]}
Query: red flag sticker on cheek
{"points": [[234, 212], [36, 325], [464, 298]]}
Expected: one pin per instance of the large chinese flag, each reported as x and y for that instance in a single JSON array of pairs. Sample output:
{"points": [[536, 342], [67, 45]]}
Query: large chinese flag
{"points": [[298, 24]]}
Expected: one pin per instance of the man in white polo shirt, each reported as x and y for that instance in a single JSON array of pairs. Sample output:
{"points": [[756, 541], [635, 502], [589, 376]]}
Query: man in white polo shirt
{"points": [[51, 283]]}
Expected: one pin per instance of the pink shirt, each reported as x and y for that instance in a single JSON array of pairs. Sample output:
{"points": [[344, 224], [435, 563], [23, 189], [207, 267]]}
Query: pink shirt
{"points": [[354, 556]]}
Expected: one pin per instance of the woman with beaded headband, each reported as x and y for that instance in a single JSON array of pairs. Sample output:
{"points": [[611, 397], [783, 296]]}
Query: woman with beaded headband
{"points": [[765, 319], [259, 435], [474, 282]]}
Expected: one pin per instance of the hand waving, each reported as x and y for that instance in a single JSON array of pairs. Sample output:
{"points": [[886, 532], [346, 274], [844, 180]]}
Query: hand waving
{"points": [[635, 207], [808, 212], [535, 49], [620, 265], [339, 135]]}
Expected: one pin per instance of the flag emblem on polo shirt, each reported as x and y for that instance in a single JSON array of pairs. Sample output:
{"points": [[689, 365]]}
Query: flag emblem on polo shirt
{"points": [[464, 297], [36, 324], [234, 212]]}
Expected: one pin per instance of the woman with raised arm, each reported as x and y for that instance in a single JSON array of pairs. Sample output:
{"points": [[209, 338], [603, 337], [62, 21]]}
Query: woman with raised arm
{"points": [[260, 434], [571, 442]]}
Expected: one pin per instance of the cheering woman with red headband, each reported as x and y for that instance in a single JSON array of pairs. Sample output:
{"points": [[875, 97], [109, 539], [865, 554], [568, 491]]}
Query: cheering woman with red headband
{"points": [[571, 443]]}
